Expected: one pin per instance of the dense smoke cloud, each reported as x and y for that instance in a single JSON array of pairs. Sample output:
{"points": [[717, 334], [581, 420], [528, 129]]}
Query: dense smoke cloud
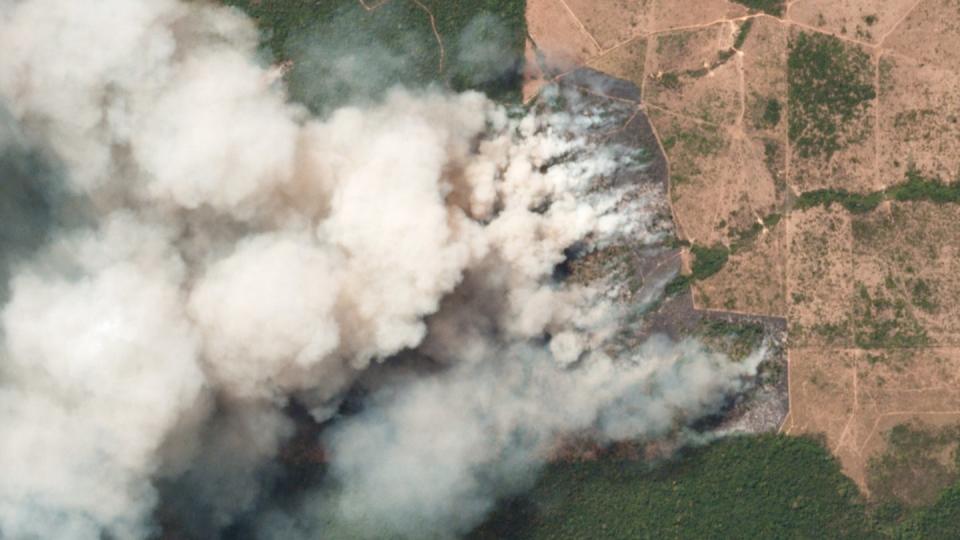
{"points": [[239, 253]]}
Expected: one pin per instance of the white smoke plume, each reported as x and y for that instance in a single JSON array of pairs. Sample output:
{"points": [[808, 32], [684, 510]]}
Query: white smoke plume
{"points": [[241, 253]]}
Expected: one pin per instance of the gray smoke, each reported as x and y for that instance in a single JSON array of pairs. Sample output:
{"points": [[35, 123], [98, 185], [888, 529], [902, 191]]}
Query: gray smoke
{"points": [[238, 253]]}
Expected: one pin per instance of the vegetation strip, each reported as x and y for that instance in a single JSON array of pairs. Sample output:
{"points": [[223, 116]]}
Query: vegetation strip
{"points": [[770, 7], [708, 260], [916, 188]]}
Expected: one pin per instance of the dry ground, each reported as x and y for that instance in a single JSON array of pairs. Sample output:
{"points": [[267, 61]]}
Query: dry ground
{"points": [[907, 268], [870, 298], [863, 20], [762, 265], [852, 398], [819, 277], [919, 119]]}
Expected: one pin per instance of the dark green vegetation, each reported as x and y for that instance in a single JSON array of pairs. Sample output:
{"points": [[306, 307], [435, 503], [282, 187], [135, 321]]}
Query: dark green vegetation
{"points": [[855, 203], [707, 262], [736, 339], [343, 52], [772, 7], [710, 260], [830, 90], [771, 113], [912, 471], [915, 188], [940, 520], [743, 33], [919, 188], [766, 486], [671, 81]]}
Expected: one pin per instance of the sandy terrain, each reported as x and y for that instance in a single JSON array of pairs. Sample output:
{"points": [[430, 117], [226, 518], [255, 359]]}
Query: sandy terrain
{"points": [[670, 14], [719, 182], [625, 61]]}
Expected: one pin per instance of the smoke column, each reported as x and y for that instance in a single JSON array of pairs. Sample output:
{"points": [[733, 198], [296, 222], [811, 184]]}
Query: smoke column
{"points": [[208, 252]]}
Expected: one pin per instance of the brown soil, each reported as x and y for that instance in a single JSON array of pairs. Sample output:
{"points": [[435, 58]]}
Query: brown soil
{"points": [[612, 22], [863, 20], [559, 37], [930, 34], [670, 14], [919, 119], [910, 257], [688, 78], [819, 277], [853, 398], [845, 281], [624, 62], [753, 280]]}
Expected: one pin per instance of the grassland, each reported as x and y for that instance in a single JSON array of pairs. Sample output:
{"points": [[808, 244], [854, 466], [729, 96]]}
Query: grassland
{"points": [[884, 322]]}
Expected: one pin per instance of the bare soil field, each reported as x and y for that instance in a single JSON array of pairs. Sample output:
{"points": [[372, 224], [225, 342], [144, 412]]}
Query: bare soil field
{"points": [[907, 274], [930, 34], [625, 61], [919, 119], [863, 20], [765, 78], [720, 184], [558, 36], [819, 277], [753, 280], [753, 111], [612, 22], [822, 387], [670, 14], [854, 398], [692, 73]]}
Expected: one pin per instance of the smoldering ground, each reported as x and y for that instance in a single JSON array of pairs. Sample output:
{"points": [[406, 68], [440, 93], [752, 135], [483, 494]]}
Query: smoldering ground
{"points": [[236, 259]]}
